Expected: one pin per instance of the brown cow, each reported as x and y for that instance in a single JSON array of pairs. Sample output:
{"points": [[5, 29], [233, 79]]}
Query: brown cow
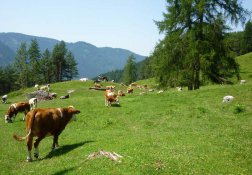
{"points": [[110, 97], [130, 90], [16, 108], [45, 122]]}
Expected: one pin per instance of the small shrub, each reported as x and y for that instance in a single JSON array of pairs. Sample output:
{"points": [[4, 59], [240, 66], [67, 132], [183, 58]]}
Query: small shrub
{"points": [[239, 108], [202, 110]]}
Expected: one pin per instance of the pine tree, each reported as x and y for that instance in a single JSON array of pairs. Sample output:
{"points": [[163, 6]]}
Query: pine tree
{"points": [[70, 70], [188, 22], [58, 56], [129, 73], [23, 70], [34, 57], [7, 79], [247, 38], [47, 67]]}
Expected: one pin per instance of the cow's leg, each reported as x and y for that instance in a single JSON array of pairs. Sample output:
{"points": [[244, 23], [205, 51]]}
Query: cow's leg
{"points": [[29, 146], [106, 102], [55, 142], [36, 143]]}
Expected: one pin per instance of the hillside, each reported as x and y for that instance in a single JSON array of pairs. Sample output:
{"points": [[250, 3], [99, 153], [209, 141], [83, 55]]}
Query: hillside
{"points": [[187, 132], [245, 62], [6, 54], [91, 60]]}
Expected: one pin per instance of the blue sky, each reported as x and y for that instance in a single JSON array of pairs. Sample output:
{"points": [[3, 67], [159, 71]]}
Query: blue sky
{"points": [[126, 24]]}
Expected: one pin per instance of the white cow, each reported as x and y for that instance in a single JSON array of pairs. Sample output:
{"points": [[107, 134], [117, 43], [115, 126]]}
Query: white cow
{"points": [[46, 87], [84, 79], [33, 103], [179, 88], [227, 98], [242, 81], [4, 98]]}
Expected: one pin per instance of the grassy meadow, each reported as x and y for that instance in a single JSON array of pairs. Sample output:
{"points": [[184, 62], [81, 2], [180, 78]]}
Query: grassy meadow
{"points": [[187, 132]]}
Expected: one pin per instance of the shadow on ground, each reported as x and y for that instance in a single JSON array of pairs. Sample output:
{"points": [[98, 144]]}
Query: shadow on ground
{"points": [[65, 149]]}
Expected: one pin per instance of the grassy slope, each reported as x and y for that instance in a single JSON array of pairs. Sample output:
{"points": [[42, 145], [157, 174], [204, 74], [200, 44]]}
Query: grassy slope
{"points": [[169, 133]]}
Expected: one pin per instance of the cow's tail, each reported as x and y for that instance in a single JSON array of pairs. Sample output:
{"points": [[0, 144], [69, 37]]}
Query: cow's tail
{"points": [[29, 125], [18, 138]]}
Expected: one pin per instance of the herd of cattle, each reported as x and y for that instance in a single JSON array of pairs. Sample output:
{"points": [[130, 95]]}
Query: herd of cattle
{"points": [[42, 122]]}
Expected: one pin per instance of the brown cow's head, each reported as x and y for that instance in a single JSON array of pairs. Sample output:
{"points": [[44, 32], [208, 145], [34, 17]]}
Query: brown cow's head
{"points": [[72, 111], [9, 114]]}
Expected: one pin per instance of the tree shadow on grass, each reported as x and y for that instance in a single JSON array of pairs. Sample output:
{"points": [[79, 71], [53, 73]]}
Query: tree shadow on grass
{"points": [[64, 149]]}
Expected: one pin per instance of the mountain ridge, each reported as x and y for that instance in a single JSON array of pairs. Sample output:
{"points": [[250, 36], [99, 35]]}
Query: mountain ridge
{"points": [[91, 60]]}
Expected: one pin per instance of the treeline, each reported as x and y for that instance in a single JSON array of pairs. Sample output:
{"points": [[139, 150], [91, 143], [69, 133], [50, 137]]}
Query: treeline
{"points": [[131, 72], [198, 47], [32, 67]]}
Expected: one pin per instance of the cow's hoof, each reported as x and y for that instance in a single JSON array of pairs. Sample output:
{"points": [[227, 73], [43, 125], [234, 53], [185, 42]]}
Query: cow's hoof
{"points": [[36, 155], [28, 160]]}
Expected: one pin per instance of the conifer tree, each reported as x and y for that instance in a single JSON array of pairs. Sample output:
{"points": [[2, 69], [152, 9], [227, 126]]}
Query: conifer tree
{"points": [[70, 70], [21, 64], [34, 58], [58, 57], [47, 67], [247, 38], [129, 73], [189, 22]]}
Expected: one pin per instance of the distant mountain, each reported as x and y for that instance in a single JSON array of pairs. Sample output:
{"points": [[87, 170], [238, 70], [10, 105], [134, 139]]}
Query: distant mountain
{"points": [[91, 60], [6, 54]]}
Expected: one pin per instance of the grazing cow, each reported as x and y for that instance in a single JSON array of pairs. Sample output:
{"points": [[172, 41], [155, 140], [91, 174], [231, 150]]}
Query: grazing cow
{"points": [[4, 99], [97, 81], [36, 86], [45, 122], [46, 87], [15, 108], [33, 103], [133, 84], [102, 78], [227, 98], [111, 97], [130, 90], [65, 96]]}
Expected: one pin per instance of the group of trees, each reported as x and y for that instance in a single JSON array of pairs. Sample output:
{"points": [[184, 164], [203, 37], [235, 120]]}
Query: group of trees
{"points": [[194, 50], [198, 47], [30, 67]]}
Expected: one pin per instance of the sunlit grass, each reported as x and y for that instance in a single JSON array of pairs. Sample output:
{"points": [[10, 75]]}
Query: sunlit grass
{"points": [[188, 132]]}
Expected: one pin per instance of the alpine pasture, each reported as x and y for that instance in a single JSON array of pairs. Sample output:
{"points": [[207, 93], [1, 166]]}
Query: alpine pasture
{"points": [[186, 132]]}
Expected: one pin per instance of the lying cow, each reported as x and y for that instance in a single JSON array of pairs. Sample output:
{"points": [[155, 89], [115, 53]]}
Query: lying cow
{"points": [[110, 97], [65, 96], [16, 108], [227, 98], [44, 122], [120, 93]]}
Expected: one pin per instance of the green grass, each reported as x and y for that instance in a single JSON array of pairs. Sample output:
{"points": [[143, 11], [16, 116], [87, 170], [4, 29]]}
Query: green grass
{"points": [[245, 62], [188, 132]]}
